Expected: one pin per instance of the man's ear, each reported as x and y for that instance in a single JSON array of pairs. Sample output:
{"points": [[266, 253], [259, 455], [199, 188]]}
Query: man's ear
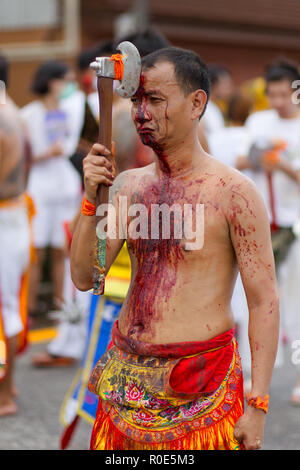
{"points": [[199, 99]]}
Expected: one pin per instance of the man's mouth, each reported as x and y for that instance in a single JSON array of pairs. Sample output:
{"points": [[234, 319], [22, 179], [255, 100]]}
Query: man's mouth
{"points": [[144, 130]]}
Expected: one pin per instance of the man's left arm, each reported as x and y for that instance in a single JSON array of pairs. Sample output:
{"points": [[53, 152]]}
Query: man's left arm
{"points": [[250, 234]]}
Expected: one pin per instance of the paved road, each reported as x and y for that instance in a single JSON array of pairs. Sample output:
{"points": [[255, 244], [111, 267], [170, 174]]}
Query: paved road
{"points": [[37, 427]]}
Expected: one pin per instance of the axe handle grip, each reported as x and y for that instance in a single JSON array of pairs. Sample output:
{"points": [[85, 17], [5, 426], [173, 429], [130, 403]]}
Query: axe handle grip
{"points": [[105, 93]]}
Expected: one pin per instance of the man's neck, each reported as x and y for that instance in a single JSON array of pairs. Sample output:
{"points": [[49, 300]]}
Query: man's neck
{"points": [[179, 161]]}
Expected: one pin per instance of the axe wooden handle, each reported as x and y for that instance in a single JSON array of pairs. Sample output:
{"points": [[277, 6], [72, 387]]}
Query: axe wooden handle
{"points": [[105, 93]]}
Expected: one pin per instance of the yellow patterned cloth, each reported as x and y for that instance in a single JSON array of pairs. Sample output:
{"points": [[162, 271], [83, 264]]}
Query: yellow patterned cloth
{"points": [[138, 409], [118, 278]]}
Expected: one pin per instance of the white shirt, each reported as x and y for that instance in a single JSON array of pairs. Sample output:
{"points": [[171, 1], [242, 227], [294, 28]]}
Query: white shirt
{"points": [[268, 124], [54, 179], [212, 119], [227, 143], [74, 106]]}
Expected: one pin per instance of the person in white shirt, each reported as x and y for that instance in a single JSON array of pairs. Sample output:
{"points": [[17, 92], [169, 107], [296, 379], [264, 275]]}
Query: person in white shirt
{"points": [[226, 144], [53, 182], [280, 122], [278, 178], [82, 110], [221, 90], [82, 106]]}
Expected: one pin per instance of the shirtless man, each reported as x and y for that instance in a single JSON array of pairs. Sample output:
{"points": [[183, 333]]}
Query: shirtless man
{"points": [[14, 241], [179, 296]]}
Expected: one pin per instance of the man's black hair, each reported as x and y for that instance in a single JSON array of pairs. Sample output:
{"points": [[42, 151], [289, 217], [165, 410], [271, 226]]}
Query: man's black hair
{"points": [[190, 71], [48, 71], [146, 41], [89, 54], [3, 69], [282, 70], [215, 72]]}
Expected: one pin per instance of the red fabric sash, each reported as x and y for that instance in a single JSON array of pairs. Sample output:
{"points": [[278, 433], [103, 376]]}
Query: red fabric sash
{"points": [[200, 374]]}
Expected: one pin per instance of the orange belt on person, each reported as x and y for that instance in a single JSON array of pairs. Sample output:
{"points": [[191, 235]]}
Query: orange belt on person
{"points": [[13, 202]]}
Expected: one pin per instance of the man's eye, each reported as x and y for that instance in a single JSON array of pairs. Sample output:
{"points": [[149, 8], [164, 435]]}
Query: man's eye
{"points": [[134, 100]]}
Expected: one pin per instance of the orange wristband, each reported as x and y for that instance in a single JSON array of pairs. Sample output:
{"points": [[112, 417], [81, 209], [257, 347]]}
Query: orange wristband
{"points": [[261, 403], [87, 208]]}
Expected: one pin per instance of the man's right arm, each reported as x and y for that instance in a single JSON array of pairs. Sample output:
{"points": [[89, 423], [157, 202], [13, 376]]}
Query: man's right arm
{"points": [[97, 170]]}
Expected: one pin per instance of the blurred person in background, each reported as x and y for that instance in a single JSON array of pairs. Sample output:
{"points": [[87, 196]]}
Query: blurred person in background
{"points": [[53, 182], [82, 109], [15, 214], [256, 89], [226, 142], [221, 90], [276, 133]]}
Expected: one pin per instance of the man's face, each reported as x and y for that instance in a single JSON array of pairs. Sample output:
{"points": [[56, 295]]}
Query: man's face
{"points": [[160, 110], [279, 94]]}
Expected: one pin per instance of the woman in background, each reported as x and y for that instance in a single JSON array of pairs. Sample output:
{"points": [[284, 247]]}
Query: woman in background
{"points": [[53, 182]]}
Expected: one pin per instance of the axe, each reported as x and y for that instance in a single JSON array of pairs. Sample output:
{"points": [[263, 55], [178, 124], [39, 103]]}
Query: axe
{"points": [[125, 67]]}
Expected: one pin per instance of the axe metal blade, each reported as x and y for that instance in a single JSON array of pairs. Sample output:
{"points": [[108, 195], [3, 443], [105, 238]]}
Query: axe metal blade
{"points": [[132, 69]]}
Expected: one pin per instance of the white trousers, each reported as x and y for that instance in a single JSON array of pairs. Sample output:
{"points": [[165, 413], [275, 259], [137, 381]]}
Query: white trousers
{"points": [[14, 261], [71, 335], [290, 298]]}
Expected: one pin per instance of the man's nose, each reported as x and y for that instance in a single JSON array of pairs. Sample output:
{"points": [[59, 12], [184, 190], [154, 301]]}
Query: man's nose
{"points": [[142, 113]]}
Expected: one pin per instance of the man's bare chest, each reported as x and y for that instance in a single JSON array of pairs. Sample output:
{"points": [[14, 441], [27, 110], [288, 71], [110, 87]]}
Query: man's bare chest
{"points": [[169, 214]]}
